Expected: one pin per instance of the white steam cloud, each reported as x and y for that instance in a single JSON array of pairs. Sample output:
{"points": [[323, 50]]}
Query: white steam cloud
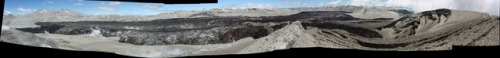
{"points": [[265, 6], [487, 6]]}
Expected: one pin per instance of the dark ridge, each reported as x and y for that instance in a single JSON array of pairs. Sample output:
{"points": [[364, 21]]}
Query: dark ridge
{"points": [[336, 19], [443, 12], [162, 39], [275, 19], [381, 45], [370, 21], [478, 38], [441, 37], [204, 14], [392, 24], [433, 40], [327, 32], [341, 35], [439, 12], [32, 30], [403, 11], [239, 33], [354, 30], [413, 25], [321, 13], [279, 26], [109, 32], [74, 30], [143, 24], [482, 35], [176, 29], [131, 40], [383, 19], [42, 29]]}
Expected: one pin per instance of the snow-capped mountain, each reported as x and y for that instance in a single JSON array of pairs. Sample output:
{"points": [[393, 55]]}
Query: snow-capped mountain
{"points": [[43, 15], [61, 12]]}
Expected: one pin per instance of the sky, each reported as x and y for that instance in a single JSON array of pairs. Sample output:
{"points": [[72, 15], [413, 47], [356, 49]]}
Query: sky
{"points": [[20, 7]]}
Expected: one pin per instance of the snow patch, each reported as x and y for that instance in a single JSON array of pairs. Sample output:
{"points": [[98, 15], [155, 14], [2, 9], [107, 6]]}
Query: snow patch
{"points": [[152, 54], [45, 45], [96, 31], [225, 46], [214, 49], [5, 27], [46, 32], [131, 27], [175, 52], [43, 11]]}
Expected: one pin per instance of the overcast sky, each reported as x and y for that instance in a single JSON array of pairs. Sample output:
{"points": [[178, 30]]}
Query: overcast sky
{"points": [[17, 7]]}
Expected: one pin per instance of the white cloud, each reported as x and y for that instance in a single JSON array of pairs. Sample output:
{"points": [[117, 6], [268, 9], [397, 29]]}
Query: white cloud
{"points": [[366, 3], [152, 6], [266, 6], [114, 3], [296, 3], [50, 2], [321, 4], [6, 12], [77, 4], [335, 2], [425, 5], [106, 8], [488, 6], [47, 2], [304, 4], [399, 3], [228, 7], [24, 10]]}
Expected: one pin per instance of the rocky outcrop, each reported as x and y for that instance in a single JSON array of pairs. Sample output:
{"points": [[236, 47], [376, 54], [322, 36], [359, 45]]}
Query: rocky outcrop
{"points": [[26, 38], [236, 34]]}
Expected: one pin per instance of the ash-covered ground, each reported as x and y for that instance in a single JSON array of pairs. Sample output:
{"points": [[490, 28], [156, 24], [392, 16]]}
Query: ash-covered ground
{"points": [[242, 31]]}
